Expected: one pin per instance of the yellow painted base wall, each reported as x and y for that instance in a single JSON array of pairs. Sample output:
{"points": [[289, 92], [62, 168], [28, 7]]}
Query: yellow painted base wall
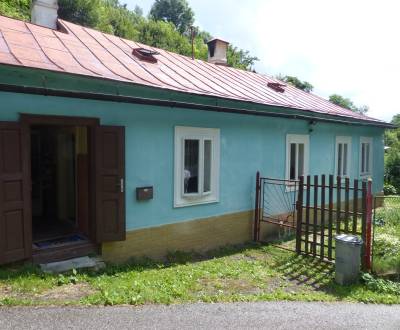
{"points": [[196, 235]]}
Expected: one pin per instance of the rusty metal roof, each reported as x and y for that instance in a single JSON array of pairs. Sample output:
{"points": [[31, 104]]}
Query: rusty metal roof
{"points": [[84, 51]]}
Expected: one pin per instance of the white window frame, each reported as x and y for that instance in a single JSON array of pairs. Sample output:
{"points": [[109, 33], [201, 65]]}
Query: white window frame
{"points": [[183, 133], [363, 140], [343, 140], [298, 139]]}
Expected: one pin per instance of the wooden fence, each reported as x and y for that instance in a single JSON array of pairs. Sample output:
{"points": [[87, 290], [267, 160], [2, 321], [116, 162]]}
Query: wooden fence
{"points": [[329, 207]]}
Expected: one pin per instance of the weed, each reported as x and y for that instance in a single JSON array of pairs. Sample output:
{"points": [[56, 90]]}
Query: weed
{"points": [[381, 285], [68, 279]]}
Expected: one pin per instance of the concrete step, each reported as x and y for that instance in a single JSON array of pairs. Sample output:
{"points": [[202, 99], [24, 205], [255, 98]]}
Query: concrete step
{"points": [[76, 263]]}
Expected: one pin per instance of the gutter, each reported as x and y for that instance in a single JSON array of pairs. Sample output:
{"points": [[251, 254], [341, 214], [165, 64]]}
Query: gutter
{"points": [[178, 104]]}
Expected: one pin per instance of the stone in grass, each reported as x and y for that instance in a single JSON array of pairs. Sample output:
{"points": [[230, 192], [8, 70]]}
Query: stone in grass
{"points": [[75, 263]]}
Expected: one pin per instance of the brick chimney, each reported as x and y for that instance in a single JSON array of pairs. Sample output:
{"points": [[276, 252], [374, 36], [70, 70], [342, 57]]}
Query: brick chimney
{"points": [[44, 13], [217, 49]]}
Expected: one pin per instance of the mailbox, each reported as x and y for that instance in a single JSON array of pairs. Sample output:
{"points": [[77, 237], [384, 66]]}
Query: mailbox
{"points": [[144, 193]]}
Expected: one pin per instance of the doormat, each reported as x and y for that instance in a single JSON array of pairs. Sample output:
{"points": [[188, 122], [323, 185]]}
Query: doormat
{"points": [[60, 241]]}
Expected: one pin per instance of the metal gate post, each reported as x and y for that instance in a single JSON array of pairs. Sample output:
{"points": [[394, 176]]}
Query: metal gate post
{"points": [[369, 227], [299, 222], [257, 209]]}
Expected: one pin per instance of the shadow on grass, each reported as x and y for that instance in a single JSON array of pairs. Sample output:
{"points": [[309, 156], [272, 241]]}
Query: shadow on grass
{"points": [[307, 270], [319, 275], [303, 270]]}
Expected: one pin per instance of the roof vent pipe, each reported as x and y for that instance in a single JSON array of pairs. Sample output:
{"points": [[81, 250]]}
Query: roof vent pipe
{"points": [[44, 13], [217, 49]]}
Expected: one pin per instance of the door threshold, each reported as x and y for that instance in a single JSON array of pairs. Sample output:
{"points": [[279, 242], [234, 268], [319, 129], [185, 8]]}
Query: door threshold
{"points": [[59, 241], [65, 251]]}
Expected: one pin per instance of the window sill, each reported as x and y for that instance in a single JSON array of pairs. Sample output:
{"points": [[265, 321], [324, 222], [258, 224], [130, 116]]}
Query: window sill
{"points": [[193, 202]]}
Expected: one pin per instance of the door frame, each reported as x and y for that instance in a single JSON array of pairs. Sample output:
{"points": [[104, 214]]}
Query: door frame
{"points": [[27, 120]]}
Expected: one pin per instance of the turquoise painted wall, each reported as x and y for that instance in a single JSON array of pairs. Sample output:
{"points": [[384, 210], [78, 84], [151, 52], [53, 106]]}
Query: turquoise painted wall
{"points": [[248, 144]]}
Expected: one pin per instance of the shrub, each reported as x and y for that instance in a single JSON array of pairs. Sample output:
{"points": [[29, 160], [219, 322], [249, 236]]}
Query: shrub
{"points": [[389, 189], [387, 245], [381, 285]]}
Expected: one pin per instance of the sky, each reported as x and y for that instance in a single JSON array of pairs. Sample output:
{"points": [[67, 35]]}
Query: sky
{"points": [[347, 47]]}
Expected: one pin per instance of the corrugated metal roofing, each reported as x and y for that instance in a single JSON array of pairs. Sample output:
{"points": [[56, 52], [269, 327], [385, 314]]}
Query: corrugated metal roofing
{"points": [[80, 50]]}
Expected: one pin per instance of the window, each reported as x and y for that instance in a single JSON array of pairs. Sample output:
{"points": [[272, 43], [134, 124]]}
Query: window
{"points": [[365, 156], [297, 156], [343, 153], [196, 166]]}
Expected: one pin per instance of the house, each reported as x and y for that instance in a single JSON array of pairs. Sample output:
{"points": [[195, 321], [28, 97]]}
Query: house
{"points": [[139, 151]]}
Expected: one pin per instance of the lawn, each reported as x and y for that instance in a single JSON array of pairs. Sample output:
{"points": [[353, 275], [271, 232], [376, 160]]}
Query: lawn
{"points": [[251, 272]]}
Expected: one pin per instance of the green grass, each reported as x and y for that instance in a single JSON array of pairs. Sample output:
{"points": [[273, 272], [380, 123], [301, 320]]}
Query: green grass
{"points": [[250, 272], [387, 238]]}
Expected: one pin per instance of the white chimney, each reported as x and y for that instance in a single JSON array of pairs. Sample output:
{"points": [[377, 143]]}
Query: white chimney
{"points": [[217, 49], [44, 13]]}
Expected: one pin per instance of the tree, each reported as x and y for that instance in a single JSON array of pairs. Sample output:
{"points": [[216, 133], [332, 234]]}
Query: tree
{"points": [[177, 12], [296, 82], [341, 101], [82, 12], [138, 11], [239, 58], [19, 9], [118, 20], [392, 154], [163, 35], [396, 120], [348, 104]]}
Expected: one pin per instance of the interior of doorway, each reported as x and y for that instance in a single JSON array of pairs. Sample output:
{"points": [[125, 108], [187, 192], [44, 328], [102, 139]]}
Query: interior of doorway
{"points": [[59, 173]]}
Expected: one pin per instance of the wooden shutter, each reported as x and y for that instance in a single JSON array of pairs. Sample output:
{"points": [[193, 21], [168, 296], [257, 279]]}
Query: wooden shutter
{"points": [[15, 204], [110, 182]]}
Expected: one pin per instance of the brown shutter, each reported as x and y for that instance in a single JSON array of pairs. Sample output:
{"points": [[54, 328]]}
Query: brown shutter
{"points": [[15, 210], [110, 183]]}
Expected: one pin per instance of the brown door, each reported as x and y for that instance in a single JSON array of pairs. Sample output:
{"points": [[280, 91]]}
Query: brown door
{"points": [[110, 182], [15, 210]]}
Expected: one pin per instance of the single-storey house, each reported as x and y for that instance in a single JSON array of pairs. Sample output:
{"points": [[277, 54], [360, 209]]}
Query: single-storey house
{"points": [[131, 150]]}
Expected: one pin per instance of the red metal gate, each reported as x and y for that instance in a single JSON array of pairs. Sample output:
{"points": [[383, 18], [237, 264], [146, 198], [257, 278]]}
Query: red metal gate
{"points": [[275, 204]]}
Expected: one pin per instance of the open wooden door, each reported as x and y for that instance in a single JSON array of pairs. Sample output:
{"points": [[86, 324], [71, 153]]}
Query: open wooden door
{"points": [[15, 204], [110, 181]]}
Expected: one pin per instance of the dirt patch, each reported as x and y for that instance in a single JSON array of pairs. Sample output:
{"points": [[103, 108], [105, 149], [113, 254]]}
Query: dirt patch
{"points": [[5, 291], [245, 257], [69, 292], [230, 286]]}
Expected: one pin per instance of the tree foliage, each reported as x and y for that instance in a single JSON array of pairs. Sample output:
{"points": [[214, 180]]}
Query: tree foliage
{"points": [[296, 82], [392, 154], [348, 104], [83, 12], [176, 12], [19, 9], [239, 58]]}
